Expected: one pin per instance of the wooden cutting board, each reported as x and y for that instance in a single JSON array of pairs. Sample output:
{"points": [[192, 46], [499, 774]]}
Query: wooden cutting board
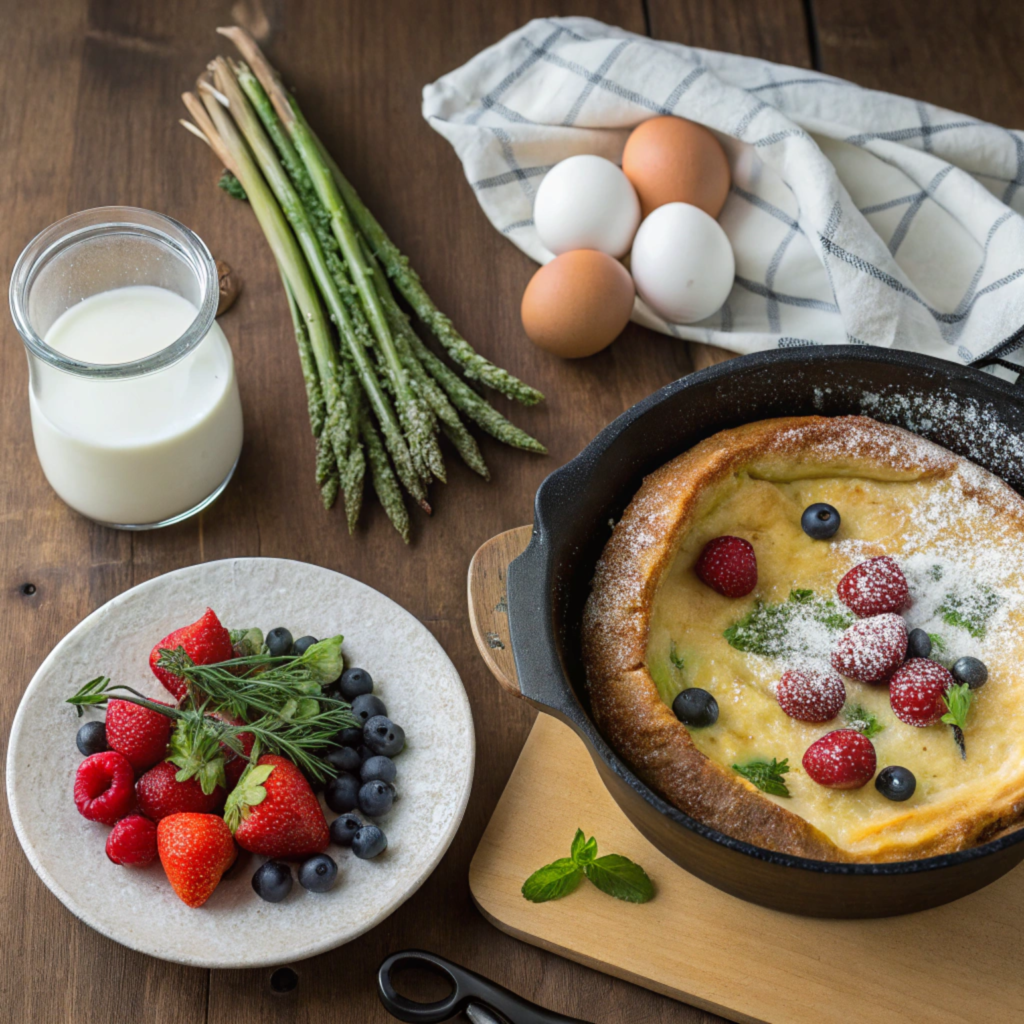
{"points": [[961, 962]]}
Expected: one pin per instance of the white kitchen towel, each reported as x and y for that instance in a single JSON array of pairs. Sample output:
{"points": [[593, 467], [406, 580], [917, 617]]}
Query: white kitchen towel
{"points": [[856, 216]]}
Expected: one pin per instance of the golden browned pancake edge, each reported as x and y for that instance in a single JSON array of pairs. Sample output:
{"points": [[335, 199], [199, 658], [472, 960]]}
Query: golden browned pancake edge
{"points": [[625, 702]]}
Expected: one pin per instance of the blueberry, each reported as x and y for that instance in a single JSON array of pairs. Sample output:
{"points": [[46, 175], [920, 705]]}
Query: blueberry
{"points": [[378, 767], [318, 874], [367, 706], [278, 641], [895, 783], [820, 521], [383, 736], [376, 798], [970, 671], [92, 738], [354, 683], [344, 759], [303, 644], [365, 753], [344, 828], [696, 707], [342, 794], [272, 881], [919, 644], [369, 842], [350, 737]]}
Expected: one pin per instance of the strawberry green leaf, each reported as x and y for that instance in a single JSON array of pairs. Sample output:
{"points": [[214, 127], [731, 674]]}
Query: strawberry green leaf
{"points": [[249, 793], [553, 881], [618, 876]]}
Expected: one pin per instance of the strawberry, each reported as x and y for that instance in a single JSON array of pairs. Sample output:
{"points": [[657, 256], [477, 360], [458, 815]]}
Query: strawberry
{"points": [[160, 794], [103, 787], [274, 811], [728, 565], [137, 732], [871, 649], [195, 850], [206, 641], [810, 695], [132, 841], [874, 587], [916, 691], [844, 759]]}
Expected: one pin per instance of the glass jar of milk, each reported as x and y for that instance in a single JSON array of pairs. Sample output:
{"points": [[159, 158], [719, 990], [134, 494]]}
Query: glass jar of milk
{"points": [[132, 391]]}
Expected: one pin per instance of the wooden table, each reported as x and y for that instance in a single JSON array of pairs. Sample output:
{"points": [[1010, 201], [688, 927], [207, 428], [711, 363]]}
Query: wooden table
{"points": [[90, 119]]}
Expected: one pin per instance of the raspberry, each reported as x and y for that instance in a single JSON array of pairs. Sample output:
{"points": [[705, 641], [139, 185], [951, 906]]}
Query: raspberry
{"points": [[871, 649], [810, 695], [916, 691], [103, 787], [728, 565], [132, 841], [139, 733], [874, 587], [844, 759]]}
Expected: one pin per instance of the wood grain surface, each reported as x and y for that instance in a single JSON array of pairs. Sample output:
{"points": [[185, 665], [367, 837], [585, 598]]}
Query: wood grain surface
{"points": [[90, 118]]}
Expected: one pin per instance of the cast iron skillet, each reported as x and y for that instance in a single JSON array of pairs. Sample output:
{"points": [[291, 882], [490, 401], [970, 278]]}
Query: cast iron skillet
{"points": [[969, 412]]}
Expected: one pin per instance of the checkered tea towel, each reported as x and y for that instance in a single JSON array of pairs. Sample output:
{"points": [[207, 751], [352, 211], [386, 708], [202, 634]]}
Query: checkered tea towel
{"points": [[855, 216]]}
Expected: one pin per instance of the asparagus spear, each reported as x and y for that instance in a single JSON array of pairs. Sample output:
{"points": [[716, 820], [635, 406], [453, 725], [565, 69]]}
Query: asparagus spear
{"points": [[231, 149], [293, 210], [357, 459], [384, 482], [395, 262]]}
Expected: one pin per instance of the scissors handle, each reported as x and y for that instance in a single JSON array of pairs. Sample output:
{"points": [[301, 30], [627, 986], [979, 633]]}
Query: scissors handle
{"points": [[467, 988]]}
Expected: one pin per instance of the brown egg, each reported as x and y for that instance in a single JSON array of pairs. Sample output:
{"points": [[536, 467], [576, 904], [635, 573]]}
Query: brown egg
{"points": [[578, 303], [671, 160]]}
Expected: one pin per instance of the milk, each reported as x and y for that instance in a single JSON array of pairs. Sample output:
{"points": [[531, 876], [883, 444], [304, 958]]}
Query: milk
{"points": [[139, 450]]}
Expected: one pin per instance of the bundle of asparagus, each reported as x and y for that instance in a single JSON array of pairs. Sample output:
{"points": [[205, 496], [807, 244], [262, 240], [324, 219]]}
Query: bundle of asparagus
{"points": [[376, 393]]}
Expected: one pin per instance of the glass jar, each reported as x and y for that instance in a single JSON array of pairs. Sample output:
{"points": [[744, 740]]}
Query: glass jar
{"points": [[132, 390]]}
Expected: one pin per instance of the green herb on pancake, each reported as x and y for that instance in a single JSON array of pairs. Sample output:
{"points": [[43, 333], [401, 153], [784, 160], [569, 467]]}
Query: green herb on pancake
{"points": [[768, 628], [675, 657], [970, 610], [767, 777], [958, 703], [613, 874], [865, 722]]}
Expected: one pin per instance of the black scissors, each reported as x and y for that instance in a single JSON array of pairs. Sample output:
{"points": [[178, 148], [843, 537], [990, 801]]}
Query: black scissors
{"points": [[481, 1000]]}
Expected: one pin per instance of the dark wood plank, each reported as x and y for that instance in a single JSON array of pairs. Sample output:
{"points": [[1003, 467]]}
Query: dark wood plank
{"points": [[965, 57]]}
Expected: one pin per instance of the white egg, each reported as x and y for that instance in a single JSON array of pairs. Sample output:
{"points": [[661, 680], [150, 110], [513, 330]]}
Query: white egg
{"points": [[682, 263], [586, 202]]}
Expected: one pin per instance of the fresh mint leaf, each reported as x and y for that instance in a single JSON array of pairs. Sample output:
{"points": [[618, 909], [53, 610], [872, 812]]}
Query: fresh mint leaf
{"points": [[938, 644], [865, 722], [958, 705], [553, 881], [613, 874], [766, 628], [767, 777], [970, 610], [618, 876]]}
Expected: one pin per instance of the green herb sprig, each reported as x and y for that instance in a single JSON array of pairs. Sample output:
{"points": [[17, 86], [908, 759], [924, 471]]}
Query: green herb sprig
{"points": [[958, 706], [766, 628], [766, 776], [863, 721], [971, 610], [612, 874]]}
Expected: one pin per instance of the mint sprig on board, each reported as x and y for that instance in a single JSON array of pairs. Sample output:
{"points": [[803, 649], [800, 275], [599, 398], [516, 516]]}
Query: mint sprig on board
{"points": [[613, 874], [766, 776]]}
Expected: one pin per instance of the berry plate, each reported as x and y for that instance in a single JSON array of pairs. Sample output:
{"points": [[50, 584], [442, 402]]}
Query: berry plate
{"points": [[137, 907]]}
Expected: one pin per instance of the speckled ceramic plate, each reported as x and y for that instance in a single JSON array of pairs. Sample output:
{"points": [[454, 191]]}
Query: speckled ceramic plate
{"points": [[137, 907]]}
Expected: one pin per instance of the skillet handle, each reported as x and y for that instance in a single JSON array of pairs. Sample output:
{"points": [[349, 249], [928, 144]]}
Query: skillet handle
{"points": [[488, 603], [1006, 364]]}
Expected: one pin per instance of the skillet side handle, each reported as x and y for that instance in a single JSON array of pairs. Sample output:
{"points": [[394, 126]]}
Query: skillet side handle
{"points": [[981, 364], [488, 603]]}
